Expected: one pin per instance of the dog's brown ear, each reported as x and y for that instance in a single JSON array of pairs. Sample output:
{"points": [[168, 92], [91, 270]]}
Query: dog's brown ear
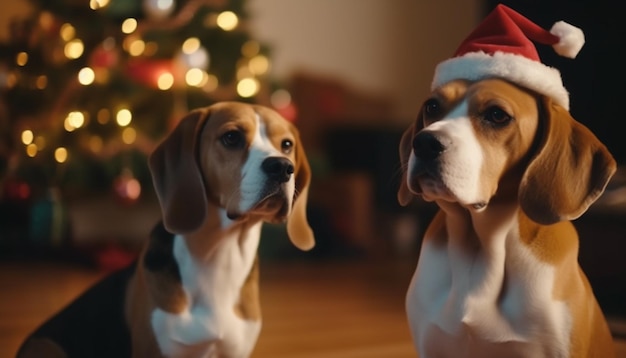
{"points": [[177, 178], [298, 228], [569, 172], [406, 146]]}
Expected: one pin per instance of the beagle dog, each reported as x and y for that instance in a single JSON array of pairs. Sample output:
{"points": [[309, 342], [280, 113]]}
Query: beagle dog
{"points": [[497, 274], [194, 291]]}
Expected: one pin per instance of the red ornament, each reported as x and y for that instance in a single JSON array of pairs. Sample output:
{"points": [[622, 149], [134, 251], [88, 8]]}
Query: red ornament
{"points": [[290, 112], [147, 72], [127, 188], [16, 190], [103, 58]]}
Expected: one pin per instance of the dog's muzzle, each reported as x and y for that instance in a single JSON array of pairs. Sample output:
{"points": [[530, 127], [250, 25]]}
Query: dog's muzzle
{"points": [[278, 169], [427, 149]]}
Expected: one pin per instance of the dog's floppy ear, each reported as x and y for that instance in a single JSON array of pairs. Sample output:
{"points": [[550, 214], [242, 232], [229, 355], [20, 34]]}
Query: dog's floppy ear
{"points": [[406, 147], [177, 178], [569, 172], [298, 228]]}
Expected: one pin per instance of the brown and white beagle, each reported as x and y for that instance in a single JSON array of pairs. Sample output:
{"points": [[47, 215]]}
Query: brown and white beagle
{"points": [[194, 292], [497, 274]]}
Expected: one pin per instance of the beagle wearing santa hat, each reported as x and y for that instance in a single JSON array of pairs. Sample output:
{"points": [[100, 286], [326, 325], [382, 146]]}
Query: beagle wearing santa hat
{"points": [[194, 292], [495, 147]]}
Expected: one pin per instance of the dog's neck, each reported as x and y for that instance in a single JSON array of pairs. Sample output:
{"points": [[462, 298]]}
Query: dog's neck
{"points": [[479, 237], [218, 234]]}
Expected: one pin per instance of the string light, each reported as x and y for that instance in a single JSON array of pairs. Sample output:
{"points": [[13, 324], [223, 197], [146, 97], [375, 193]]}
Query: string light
{"points": [[123, 117], [86, 76], [98, 4], [27, 137], [67, 32], [250, 48], [247, 87], [259, 65], [74, 49], [191, 45], [60, 155], [136, 47], [165, 81], [31, 150], [41, 82], [129, 135], [73, 121], [196, 77], [129, 26], [227, 20], [21, 59]]}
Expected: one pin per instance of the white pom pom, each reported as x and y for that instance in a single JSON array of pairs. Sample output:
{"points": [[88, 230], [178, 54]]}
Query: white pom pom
{"points": [[572, 39]]}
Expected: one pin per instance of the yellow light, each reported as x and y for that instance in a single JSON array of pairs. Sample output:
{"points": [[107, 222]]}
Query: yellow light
{"points": [[46, 20], [21, 59], [86, 76], [280, 98], [67, 32], [27, 137], [211, 83], [67, 124], [247, 87], [259, 65], [103, 116], [11, 80], [41, 82], [196, 77], [95, 144], [123, 117], [129, 135], [60, 155], [76, 119], [31, 150], [74, 49], [165, 81], [191, 45], [98, 4], [136, 48], [129, 26], [250, 48], [227, 20]]}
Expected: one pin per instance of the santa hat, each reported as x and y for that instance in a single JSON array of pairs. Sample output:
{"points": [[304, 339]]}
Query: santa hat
{"points": [[501, 46]]}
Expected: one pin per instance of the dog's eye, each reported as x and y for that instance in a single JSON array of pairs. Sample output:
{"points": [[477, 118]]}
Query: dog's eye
{"points": [[497, 115], [232, 139], [432, 107], [286, 146]]}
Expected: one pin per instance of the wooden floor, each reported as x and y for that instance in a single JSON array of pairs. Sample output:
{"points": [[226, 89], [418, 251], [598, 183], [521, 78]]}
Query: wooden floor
{"points": [[310, 309]]}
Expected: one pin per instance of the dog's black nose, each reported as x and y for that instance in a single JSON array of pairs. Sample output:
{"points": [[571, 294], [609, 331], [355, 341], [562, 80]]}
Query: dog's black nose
{"points": [[426, 146], [278, 168]]}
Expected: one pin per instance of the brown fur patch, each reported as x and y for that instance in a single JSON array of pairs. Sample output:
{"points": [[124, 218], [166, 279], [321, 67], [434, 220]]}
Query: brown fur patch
{"points": [[249, 305]]}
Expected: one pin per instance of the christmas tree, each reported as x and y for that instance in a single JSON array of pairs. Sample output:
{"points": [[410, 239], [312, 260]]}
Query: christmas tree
{"points": [[89, 87]]}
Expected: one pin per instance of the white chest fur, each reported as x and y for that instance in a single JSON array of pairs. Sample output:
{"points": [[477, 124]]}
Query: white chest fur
{"points": [[476, 304], [212, 286]]}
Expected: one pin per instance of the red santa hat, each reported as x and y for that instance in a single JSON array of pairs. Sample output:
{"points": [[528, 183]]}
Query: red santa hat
{"points": [[502, 46]]}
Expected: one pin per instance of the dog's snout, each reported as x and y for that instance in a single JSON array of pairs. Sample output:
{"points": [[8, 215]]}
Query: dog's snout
{"points": [[426, 146], [278, 168]]}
